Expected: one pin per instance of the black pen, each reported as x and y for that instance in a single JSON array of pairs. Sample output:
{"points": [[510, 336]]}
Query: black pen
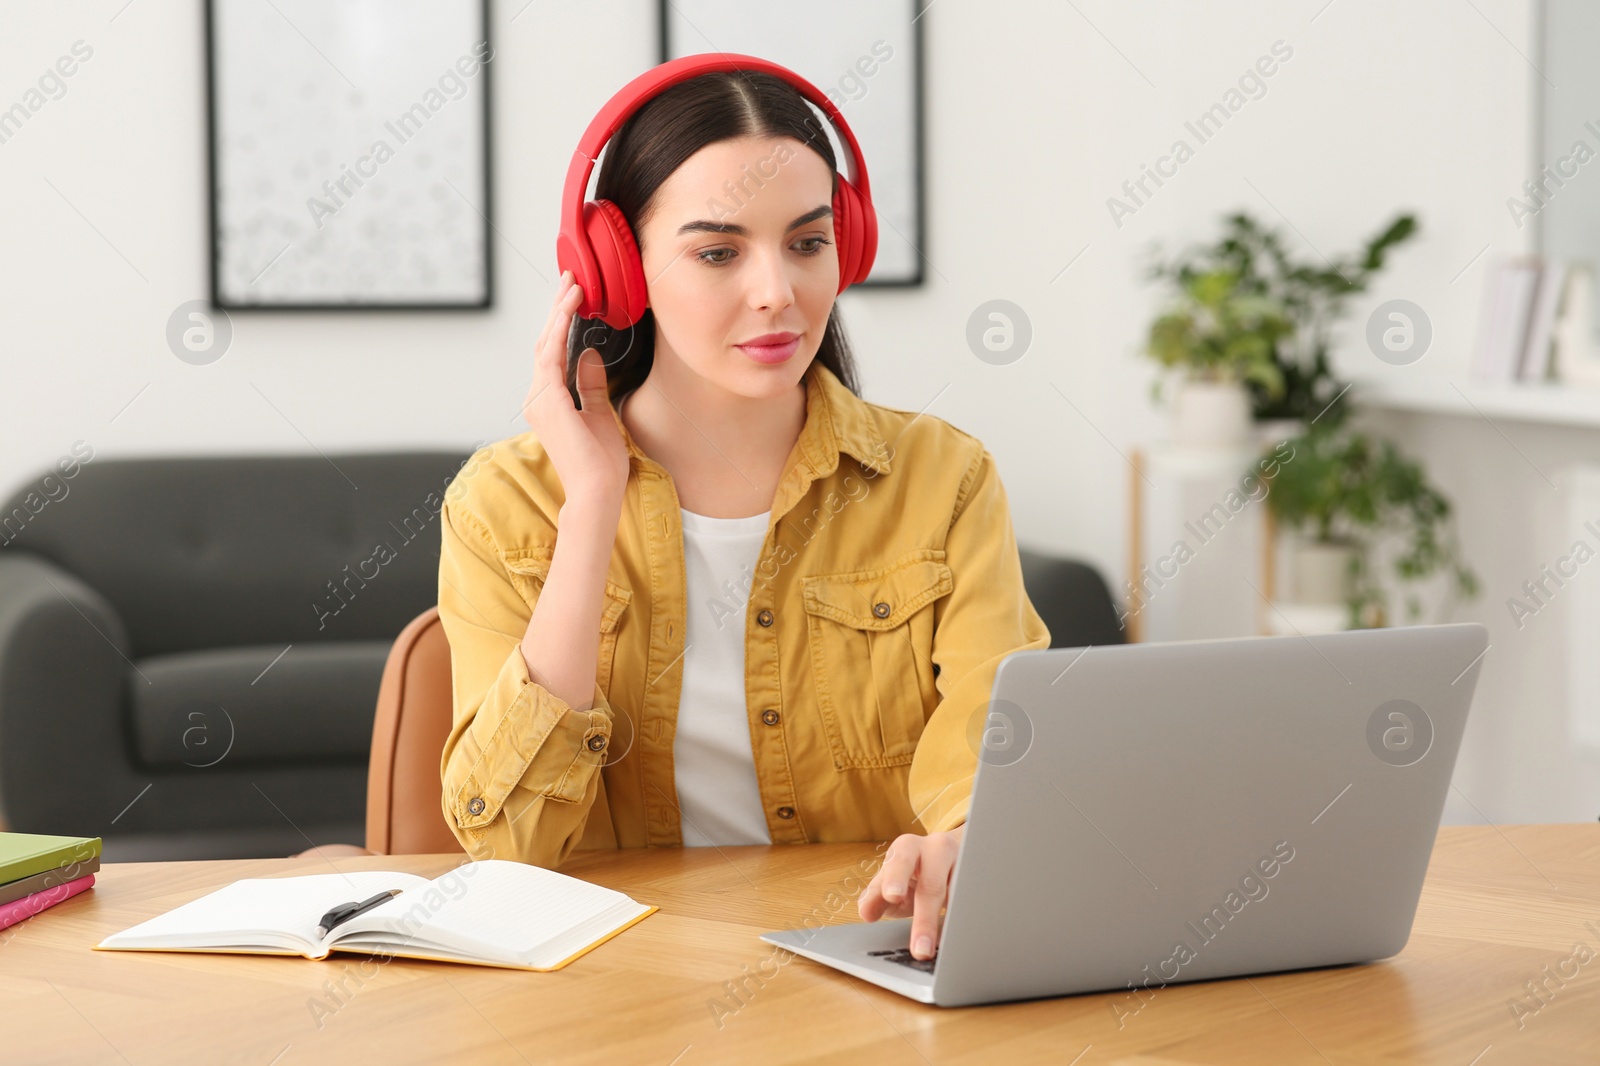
{"points": [[345, 911]]}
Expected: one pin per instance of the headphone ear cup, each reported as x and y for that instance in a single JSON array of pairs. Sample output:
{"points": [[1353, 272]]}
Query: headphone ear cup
{"points": [[856, 231], [622, 297], [844, 243]]}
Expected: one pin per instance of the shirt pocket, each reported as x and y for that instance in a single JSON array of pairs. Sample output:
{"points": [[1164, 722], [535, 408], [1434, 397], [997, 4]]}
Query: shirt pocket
{"points": [[530, 566], [871, 635]]}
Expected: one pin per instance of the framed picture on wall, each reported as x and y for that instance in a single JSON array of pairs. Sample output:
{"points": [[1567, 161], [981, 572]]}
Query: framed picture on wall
{"points": [[349, 154], [866, 56]]}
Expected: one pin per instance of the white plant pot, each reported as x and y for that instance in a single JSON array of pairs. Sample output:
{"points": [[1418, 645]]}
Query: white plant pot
{"points": [[1211, 414], [1320, 573]]}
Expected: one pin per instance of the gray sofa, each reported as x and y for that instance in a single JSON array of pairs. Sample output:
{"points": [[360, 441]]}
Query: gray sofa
{"points": [[190, 648], [1072, 599]]}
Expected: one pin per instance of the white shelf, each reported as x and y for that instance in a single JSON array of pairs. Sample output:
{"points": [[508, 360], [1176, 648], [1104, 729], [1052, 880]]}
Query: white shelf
{"points": [[1290, 619], [1549, 403], [1182, 462]]}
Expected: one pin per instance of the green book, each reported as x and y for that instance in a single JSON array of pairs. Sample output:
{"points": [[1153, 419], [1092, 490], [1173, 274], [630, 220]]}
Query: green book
{"points": [[25, 854]]}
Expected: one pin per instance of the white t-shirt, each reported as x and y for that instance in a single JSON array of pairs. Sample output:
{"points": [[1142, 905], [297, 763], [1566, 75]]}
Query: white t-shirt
{"points": [[719, 800], [714, 764]]}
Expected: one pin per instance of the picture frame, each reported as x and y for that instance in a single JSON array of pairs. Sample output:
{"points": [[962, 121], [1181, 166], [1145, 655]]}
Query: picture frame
{"points": [[349, 154], [867, 57]]}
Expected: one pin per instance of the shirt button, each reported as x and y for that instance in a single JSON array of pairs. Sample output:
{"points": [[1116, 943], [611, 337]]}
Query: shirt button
{"points": [[769, 716], [596, 742], [881, 610], [785, 812], [475, 805], [765, 618]]}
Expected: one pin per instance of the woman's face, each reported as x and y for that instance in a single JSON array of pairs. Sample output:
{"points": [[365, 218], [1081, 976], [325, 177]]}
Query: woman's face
{"points": [[739, 244]]}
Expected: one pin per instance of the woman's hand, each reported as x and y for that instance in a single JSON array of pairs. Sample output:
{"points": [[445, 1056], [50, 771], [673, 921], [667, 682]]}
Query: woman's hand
{"points": [[585, 445], [913, 882]]}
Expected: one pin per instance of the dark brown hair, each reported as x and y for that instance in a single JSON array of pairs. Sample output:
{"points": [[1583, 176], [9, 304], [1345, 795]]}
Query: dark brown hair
{"points": [[639, 158]]}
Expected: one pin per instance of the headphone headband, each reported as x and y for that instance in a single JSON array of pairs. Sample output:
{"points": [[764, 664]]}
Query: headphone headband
{"points": [[574, 249], [642, 89]]}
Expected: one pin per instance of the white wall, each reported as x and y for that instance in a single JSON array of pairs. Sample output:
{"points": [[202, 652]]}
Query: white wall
{"points": [[1036, 113]]}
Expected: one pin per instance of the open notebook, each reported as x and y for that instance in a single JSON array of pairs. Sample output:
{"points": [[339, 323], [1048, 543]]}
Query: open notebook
{"points": [[491, 912]]}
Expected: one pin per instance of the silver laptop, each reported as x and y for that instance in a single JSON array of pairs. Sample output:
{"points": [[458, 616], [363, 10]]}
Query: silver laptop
{"points": [[1147, 814]]}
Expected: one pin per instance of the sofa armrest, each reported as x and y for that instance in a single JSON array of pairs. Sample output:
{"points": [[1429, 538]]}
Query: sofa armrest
{"points": [[64, 661]]}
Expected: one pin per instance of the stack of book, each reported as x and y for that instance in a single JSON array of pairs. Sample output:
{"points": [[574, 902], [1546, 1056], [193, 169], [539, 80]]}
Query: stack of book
{"points": [[40, 871], [1524, 324]]}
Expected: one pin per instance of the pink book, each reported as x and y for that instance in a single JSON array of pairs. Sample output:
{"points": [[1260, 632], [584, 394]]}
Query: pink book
{"points": [[31, 904]]}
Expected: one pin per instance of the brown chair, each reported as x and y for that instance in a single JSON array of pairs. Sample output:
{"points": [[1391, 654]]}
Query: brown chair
{"points": [[404, 811]]}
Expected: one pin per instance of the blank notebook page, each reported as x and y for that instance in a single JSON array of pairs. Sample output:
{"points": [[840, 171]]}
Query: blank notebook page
{"points": [[512, 907], [270, 903]]}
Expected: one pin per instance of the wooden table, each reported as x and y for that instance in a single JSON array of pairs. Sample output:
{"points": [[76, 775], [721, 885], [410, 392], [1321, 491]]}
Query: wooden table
{"points": [[1501, 906]]}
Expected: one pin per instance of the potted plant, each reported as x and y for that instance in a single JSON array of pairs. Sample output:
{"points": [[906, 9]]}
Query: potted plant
{"points": [[1345, 492], [1223, 336], [1311, 293]]}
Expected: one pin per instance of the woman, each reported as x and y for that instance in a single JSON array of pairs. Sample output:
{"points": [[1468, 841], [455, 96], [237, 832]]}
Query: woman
{"points": [[774, 611]]}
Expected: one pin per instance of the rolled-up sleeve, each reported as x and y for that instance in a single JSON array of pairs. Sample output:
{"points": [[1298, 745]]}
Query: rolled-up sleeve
{"points": [[519, 778], [986, 617]]}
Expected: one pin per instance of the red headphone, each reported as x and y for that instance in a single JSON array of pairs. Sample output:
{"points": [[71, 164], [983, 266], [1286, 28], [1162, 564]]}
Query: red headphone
{"points": [[595, 242]]}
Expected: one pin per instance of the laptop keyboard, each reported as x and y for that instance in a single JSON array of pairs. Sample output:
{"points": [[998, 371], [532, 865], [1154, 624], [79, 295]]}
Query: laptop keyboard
{"points": [[904, 957]]}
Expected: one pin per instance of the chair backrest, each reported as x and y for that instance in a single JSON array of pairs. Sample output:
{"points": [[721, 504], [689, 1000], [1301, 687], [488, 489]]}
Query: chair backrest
{"points": [[404, 812]]}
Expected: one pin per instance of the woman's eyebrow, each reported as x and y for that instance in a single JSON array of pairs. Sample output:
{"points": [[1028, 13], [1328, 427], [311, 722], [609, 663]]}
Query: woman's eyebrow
{"points": [[706, 226]]}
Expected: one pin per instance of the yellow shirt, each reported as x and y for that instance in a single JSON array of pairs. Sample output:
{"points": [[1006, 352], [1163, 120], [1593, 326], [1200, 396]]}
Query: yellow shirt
{"points": [[888, 590]]}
